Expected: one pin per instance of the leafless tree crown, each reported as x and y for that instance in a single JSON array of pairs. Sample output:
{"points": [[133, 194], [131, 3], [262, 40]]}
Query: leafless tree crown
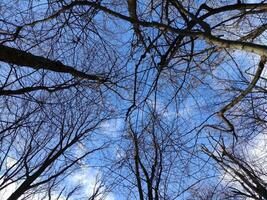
{"points": [[149, 100]]}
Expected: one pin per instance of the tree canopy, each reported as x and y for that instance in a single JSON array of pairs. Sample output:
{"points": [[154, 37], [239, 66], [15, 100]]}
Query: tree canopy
{"points": [[153, 100]]}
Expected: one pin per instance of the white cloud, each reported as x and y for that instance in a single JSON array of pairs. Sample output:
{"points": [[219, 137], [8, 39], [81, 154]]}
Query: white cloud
{"points": [[6, 192], [10, 162], [90, 179], [87, 178], [255, 153], [112, 127]]}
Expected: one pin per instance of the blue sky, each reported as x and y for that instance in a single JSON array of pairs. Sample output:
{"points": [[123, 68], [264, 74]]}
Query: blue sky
{"points": [[201, 96]]}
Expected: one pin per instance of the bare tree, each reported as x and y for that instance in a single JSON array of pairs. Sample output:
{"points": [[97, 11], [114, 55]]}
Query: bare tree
{"points": [[179, 74]]}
